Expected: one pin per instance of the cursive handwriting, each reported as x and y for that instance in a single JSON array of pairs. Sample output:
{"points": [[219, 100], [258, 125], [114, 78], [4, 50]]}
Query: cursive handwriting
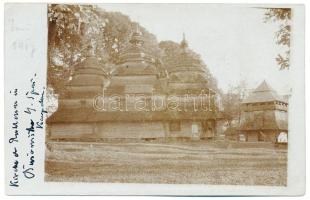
{"points": [[14, 181], [24, 136]]}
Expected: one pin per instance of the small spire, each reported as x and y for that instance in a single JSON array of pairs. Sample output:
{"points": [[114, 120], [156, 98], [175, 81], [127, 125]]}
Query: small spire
{"points": [[91, 48], [184, 43], [138, 32], [136, 37]]}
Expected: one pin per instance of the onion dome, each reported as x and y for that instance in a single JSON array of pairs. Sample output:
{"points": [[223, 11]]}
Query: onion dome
{"points": [[135, 60]]}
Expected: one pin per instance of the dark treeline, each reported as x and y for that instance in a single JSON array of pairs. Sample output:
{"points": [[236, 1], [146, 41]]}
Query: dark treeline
{"points": [[73, 28]]}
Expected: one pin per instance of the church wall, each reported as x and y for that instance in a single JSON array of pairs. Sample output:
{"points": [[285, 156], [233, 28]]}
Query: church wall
{"points": [[130, 130], [124, 80], [78, 90], [271, 135], [262, 136], [72, 130], [187, 129], [252, 136], [76, 103], [220, 128]]}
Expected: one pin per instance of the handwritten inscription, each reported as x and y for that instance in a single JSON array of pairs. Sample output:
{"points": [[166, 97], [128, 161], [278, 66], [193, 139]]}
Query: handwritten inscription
{"points": [[14, 182], [25, 126]]}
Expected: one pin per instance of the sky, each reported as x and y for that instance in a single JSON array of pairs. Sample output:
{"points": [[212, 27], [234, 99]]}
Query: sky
{"points": [[232, 40]]}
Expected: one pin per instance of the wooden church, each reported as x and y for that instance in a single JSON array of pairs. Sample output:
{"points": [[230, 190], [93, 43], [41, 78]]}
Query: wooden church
{"points": [[138, 76]]}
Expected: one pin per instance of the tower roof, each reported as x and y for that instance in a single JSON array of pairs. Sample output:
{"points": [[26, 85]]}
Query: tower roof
{"points": [[263, 87], [263, 93]]}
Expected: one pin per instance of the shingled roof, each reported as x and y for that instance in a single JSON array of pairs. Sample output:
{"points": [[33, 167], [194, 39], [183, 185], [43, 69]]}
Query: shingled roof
{"points": [[86, 115], [88, 72], [263, 93]]}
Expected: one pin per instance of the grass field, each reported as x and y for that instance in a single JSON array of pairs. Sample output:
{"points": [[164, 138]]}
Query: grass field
{"points": [[174, 162]]}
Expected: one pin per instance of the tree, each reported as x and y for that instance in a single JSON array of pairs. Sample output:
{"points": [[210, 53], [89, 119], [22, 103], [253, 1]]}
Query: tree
{"points": [[232, 102], [70, 29], [282, 16], [73, 28], [118, 33]]}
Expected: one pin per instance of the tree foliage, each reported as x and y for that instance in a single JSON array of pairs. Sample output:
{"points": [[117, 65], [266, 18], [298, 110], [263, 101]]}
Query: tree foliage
{"points": [[72, 29], [231, 102], [283, 17]]}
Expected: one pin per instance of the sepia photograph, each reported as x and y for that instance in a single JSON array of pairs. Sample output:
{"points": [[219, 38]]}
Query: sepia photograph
{"points": [[168, 94], [154, 99]]}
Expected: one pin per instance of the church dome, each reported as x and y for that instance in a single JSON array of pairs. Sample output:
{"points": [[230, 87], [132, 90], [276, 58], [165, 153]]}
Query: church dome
{"points": [[187, 67], [135, 59], [88, 72], [88, 78]]}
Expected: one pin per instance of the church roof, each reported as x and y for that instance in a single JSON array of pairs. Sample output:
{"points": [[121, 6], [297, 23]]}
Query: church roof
{"points": [[88, 72], [89, 115], [132, 68], [187, 58], [187, 69], [263, 93], [135, 60]]}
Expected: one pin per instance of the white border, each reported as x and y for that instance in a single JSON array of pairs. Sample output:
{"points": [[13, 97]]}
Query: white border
{"points": [[146, 187]]}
